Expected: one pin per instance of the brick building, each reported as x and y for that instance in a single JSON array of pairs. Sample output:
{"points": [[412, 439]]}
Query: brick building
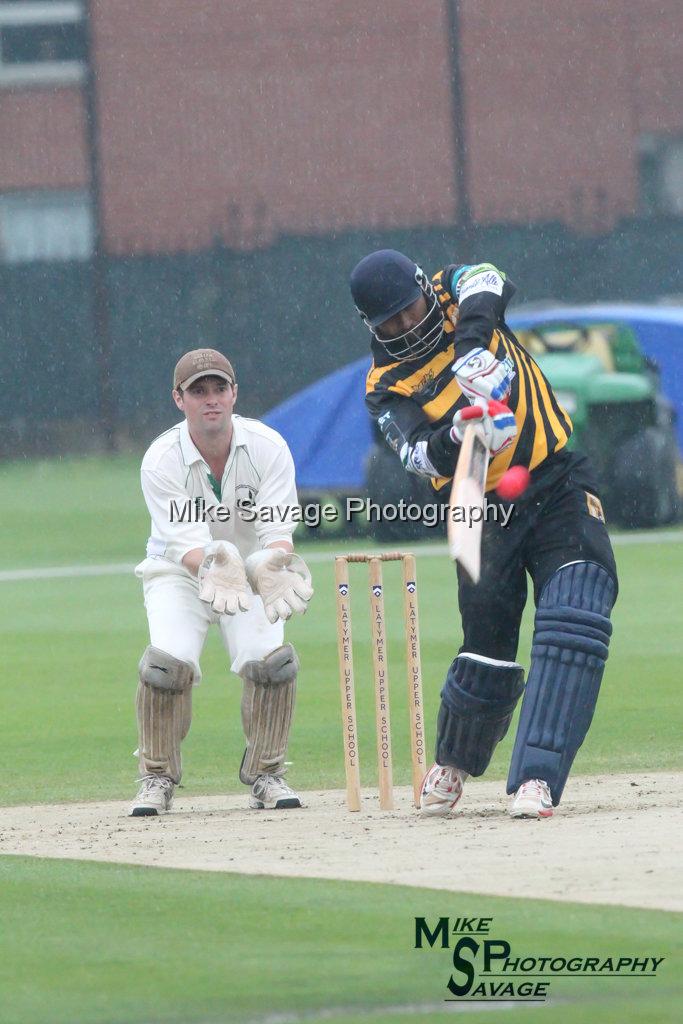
{"points": [[245, 119]]}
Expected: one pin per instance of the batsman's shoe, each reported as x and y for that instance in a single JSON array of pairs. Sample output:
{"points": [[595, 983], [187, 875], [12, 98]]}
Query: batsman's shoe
{"points": [[441, 790], [271, 793], [155, 795], [532, 800]]}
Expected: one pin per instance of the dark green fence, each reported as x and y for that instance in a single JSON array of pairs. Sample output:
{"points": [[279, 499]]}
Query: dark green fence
{"points": [[282, 314]]}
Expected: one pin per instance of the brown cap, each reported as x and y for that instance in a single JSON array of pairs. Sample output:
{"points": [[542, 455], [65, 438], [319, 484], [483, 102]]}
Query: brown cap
{"points": [[202, 362]]}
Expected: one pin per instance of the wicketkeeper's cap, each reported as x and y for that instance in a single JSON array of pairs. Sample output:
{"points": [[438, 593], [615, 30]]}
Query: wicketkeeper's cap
{"points": [[202, 362]]}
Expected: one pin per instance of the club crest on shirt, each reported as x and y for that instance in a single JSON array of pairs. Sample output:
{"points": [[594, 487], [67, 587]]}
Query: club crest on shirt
{"points": [[245, 496], [427, 386], [594, 506]]}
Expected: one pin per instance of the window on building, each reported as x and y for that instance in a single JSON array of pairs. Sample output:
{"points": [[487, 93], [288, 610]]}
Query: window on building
{"points": [[45, 226], [41, 41], [661, 174]]}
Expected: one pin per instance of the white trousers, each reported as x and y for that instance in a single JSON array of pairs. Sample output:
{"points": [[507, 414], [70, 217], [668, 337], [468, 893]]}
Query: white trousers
{"points": [[179, 621]]}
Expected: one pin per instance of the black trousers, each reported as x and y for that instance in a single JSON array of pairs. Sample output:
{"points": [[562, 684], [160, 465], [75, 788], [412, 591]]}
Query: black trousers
{"points": [[552, 523]]}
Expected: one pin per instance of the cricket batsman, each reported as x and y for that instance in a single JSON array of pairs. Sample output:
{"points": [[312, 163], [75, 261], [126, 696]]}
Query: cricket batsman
{"points": [[441, 350], [220, 492]]}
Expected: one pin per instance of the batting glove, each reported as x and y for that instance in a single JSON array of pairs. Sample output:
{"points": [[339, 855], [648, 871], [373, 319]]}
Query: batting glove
{"points": [[496, 419], [481, 375], [222, 579]]}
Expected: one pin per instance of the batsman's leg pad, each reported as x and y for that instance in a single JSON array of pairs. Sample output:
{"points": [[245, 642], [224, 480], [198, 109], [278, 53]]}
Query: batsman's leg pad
{"points": [[164, 712], [268, 696], [571, 641], [477, 703]]}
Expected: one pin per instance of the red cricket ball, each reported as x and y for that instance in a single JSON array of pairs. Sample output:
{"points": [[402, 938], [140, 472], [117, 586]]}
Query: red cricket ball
{"points": [[513, 483]]}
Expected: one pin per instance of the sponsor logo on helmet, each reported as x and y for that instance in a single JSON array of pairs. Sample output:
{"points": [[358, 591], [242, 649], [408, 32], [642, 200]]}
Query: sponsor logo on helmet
{"points": [[423, 281]]}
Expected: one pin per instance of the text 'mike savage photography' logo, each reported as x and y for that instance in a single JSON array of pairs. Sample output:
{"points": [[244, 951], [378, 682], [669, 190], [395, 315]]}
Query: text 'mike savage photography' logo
{"points": [[486, 968]]}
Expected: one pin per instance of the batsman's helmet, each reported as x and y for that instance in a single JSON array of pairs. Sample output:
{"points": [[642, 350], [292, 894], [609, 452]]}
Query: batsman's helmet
{"points": [[384, 283]]}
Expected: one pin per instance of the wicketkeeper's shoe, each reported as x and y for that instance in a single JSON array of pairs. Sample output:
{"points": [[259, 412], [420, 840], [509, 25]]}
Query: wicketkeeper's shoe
{"points": [[532, 800], [441, 790], [155, 795], [271, 793]]}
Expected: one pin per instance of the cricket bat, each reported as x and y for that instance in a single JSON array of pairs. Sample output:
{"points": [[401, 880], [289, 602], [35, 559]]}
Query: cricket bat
{"points": [[466, 502]]}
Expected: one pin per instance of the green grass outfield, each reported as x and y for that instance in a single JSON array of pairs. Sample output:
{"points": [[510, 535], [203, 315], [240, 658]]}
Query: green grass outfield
{"points": [[85, 943], [71, 647], [181, 947]]}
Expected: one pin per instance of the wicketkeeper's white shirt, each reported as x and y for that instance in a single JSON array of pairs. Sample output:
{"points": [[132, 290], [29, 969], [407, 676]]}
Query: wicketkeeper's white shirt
{"points": [[257, 493], [259, 480]]}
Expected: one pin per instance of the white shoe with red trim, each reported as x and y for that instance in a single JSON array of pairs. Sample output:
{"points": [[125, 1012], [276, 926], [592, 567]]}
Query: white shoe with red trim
{"points": [[532, 800], [441, 790]]}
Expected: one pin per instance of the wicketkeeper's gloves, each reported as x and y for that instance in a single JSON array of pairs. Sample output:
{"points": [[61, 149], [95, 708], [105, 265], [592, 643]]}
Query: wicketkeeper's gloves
{"points": [[223, 580], [282, 580]]}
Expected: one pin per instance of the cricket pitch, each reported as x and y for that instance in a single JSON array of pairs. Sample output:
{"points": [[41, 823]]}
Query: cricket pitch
{"points": [[612, 840]]}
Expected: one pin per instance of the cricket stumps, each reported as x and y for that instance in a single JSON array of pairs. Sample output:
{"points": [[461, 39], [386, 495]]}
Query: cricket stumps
{"points": [[380, 676]]}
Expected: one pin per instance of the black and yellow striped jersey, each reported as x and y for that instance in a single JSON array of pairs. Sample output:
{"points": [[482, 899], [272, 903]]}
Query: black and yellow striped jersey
{"points": [[419, 397]]}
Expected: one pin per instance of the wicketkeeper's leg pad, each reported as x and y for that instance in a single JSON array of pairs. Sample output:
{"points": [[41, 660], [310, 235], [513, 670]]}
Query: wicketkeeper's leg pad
{"points": [[570, 646], [268, 694], [164, 672], [477, 703], [164, 712]]}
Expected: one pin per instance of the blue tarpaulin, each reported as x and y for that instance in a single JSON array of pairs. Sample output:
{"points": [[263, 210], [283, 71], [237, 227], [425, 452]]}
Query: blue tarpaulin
{"points": [[327, 425], [327, 428]]}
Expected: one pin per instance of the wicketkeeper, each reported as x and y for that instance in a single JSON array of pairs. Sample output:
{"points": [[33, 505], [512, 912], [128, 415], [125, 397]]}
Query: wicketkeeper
{"points": [[440, 347], [220, 490]]}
